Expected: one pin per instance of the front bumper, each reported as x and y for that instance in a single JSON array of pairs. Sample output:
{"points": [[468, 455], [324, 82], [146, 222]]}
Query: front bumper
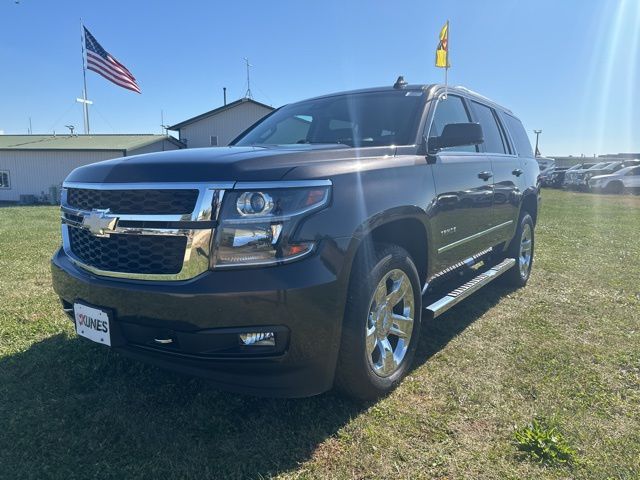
{"points": [[302, 301]]}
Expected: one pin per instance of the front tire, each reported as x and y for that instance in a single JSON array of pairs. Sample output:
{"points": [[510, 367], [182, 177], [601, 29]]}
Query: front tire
{"points": [[381, 323], [521, 249], [615, 188]]}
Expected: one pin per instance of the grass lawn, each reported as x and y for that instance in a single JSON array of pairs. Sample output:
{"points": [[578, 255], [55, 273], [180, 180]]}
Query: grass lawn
{"points": [[566, 349]]}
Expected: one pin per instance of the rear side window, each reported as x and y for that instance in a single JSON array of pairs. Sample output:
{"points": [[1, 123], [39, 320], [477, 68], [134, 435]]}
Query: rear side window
{"points": [[450, 110], [492, 136], [519, 135]]}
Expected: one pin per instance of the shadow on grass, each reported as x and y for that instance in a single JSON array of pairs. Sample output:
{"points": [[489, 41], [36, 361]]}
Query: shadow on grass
{"points": [[436, 333], [72, 409]]}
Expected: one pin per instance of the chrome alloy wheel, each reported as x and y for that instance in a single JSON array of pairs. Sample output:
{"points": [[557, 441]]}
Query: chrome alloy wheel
{"points": [[524, 260], [390, 323]]}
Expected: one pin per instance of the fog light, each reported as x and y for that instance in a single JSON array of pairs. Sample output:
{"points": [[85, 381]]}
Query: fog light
{"points": [[265, 339]]}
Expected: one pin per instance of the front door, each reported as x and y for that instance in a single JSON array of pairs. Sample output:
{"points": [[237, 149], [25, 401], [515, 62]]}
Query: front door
{"points": [[464, 191], [632, 180]]}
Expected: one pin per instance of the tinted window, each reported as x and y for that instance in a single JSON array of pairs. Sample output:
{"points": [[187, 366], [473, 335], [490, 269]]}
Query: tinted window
{"points": [[450, 110], [519, 136], [634, 171], [290, 127], [490, 129], [361, 119], [579, 166]]}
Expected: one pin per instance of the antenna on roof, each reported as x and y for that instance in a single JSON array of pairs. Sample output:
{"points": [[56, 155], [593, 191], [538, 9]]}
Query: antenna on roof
{"points": [[400, 82], [71, 128], [164, 128], [248, 92]]}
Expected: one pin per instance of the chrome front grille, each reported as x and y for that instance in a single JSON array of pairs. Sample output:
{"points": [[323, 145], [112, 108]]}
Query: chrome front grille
{"points": [[141, 231]]}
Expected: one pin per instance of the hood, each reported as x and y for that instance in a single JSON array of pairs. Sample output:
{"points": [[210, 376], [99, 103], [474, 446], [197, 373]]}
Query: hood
{"points": [[600, 177], [598, 172], [217, 164]]}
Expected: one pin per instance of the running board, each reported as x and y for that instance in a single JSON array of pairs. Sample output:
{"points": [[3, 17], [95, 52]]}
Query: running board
{"points": [[454, 297]]}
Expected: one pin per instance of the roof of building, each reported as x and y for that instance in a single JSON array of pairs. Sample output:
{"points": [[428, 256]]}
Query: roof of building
{"points": [[217, 111], [82, 142]]}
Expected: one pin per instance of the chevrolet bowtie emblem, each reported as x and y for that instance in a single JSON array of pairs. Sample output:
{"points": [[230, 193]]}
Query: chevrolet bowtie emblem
{"points": [[100, 223]]}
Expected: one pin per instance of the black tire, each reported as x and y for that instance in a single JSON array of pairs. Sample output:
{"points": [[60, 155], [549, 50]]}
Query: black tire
{"points": [[614, 187], [517, 277], [355, 373]]}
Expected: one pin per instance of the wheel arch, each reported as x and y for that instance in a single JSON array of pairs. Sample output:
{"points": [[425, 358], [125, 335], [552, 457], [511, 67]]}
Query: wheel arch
{"points": [[530, 205], [406, 227]]}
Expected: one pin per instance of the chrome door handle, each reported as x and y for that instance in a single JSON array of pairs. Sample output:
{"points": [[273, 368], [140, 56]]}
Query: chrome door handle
{"points": [[485, 175], [517, 172]]}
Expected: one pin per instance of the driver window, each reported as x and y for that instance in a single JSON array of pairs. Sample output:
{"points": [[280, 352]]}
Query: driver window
{"points": [[451, 110]]}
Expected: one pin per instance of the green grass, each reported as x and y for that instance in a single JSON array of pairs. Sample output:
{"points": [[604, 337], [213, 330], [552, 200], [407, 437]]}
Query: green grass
{"points": [[566, 348]]}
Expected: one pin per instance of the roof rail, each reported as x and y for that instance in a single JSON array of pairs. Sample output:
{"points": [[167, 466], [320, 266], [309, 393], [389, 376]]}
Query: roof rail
{"points": [[471, 92]]}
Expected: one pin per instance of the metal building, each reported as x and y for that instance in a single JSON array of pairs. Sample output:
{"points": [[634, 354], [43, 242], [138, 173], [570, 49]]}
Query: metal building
{"points": [[32, 167], [220, 126]]}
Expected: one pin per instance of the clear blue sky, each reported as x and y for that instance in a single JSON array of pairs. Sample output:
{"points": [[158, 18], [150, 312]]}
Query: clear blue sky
{"points": [[569, 67]]}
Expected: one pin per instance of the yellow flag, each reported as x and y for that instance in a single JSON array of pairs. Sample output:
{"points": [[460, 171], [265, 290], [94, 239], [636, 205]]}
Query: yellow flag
{"points": [[442, 52]]}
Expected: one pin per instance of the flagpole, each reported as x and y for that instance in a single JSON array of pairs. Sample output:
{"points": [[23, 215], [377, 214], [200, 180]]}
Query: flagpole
{"points": [[446, 68], [85, 102]]}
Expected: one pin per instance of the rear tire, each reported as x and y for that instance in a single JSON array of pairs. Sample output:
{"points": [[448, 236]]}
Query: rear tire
{"points": [[381, 324], [614, 187], [521, 249]]}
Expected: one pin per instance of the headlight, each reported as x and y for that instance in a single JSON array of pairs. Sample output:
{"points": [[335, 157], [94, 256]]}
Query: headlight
{"points": [[256, 225]]}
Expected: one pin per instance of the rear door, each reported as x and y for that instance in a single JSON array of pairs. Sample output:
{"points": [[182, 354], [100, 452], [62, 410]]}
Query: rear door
{"points": [[508, 181], [464, 191]]}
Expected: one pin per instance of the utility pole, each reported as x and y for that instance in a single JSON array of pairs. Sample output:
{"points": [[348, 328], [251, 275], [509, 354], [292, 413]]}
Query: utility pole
{"points": [[248, 92], [537, 132]]}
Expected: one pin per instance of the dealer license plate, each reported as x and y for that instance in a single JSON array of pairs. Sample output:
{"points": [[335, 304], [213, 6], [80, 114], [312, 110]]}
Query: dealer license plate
{"points": [[92, 323]]}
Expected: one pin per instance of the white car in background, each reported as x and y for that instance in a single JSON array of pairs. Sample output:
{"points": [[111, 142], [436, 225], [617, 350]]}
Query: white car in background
{"points": [[624, 179]]}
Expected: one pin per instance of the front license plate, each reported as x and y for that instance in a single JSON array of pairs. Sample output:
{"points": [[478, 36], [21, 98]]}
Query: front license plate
{"points": [[92, 323]]}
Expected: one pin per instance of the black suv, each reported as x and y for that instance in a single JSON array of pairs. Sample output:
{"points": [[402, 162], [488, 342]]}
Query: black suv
{"points": [[306, 254]]}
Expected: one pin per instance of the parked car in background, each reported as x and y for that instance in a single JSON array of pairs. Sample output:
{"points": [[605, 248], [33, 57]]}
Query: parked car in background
{"points": [[547, 165], [572, 178], [625, 179], [544, 163], [581, 177], [550, 178], [557, 177]]}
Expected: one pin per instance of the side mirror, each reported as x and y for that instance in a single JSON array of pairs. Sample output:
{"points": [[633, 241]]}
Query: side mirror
{"points": [[457, 135]]}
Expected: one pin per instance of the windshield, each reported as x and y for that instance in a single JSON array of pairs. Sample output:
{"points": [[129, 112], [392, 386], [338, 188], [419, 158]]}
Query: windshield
{"points": [[544, 164], [598, 166], [611, 166], [357, 120], [625, 170], [578, 167]]}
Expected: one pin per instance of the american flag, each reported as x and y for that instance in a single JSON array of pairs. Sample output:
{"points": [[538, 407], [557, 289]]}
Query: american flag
{"points": [[101, 61]]}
